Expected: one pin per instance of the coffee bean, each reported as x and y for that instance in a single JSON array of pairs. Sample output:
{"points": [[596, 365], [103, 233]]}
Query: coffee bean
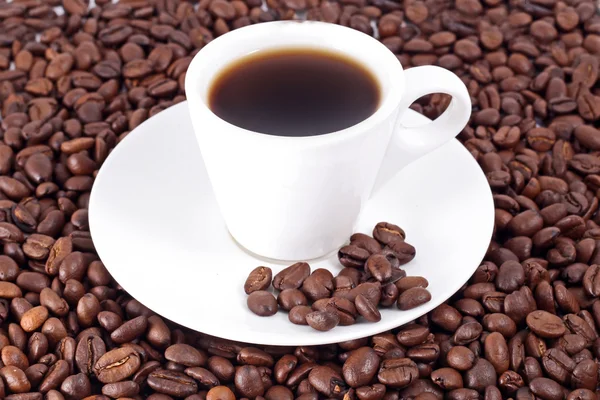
{"points": [[297, 315], [344, 308], [121, 389], [15, 379], [467, 333], [398, 373], [545, 324], [89, 350], [117, 365], [379, 267], [220, 393], [323, 320], [289, 298], [496, 352], [403, 251], [262, 303], [460, 358], [353, 256], [413, 297], [184, 354], [172, 383], [258, 279], [130, 330], [360, 367], [291, 277], [366, 242], [386, 233], [481, 375], [510, 276], [367, 309], [446, 317], [447, 378], [591, 280], [318, 285], [411, 281], [546, 388]]}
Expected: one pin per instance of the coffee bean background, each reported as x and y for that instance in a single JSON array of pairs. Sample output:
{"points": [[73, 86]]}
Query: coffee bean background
{"points": [[525, 326]]}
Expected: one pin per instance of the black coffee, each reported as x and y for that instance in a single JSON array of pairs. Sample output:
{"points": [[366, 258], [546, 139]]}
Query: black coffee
{"points": [[299, 92]]}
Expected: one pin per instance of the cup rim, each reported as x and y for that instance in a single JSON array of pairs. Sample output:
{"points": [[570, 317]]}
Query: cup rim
{"points": [[388, 103]]}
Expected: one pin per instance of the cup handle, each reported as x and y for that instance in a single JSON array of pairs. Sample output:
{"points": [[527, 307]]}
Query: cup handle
{"points": [[409, 143]]}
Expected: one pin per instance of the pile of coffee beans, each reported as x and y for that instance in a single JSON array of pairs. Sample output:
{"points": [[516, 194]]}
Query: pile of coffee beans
{"points": [[372, 277], [526, 324]]}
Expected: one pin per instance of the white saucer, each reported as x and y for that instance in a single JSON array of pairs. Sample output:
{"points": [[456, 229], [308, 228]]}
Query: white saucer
{"points": [[157, 228]]}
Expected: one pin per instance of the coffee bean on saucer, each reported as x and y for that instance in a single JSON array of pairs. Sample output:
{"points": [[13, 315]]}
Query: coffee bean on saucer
{"points": [[366, 242], [262, 303], [379, 267], [290, 298], [291, 277], [367, 309], [386, 233], [323, 320], [402, 250], [258, 279], [318, 285], [413, 297], [297, 315], [345, 309], [389, 294], [410, 282], [353, 256]]}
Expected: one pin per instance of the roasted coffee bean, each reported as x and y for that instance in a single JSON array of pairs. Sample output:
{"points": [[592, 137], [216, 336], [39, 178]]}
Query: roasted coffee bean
{"points": [[398, 373], [353, 256], [172, 383], [323, 320], [446, 317], [121, 389], [367, 309], [481, 375], [411, 281], [467, 333], [413, 297], [403, 251], [379, 267], [546, 388], [366, 242], [318, 285], [291, 277], [558, 365], [360, 367], [262, 303], [89, 350], [117, 365], [545, 324], [386, 233], [496, 352], [297, 315], [460, 358], [289, 298], [511, 276], [591, 280], [258, 279], [186, 355], [327, 381], [447, 378], [129, 330]]}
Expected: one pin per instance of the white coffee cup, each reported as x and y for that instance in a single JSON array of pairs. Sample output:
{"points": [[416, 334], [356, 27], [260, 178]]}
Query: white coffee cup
{"points": [[298, 198]]}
